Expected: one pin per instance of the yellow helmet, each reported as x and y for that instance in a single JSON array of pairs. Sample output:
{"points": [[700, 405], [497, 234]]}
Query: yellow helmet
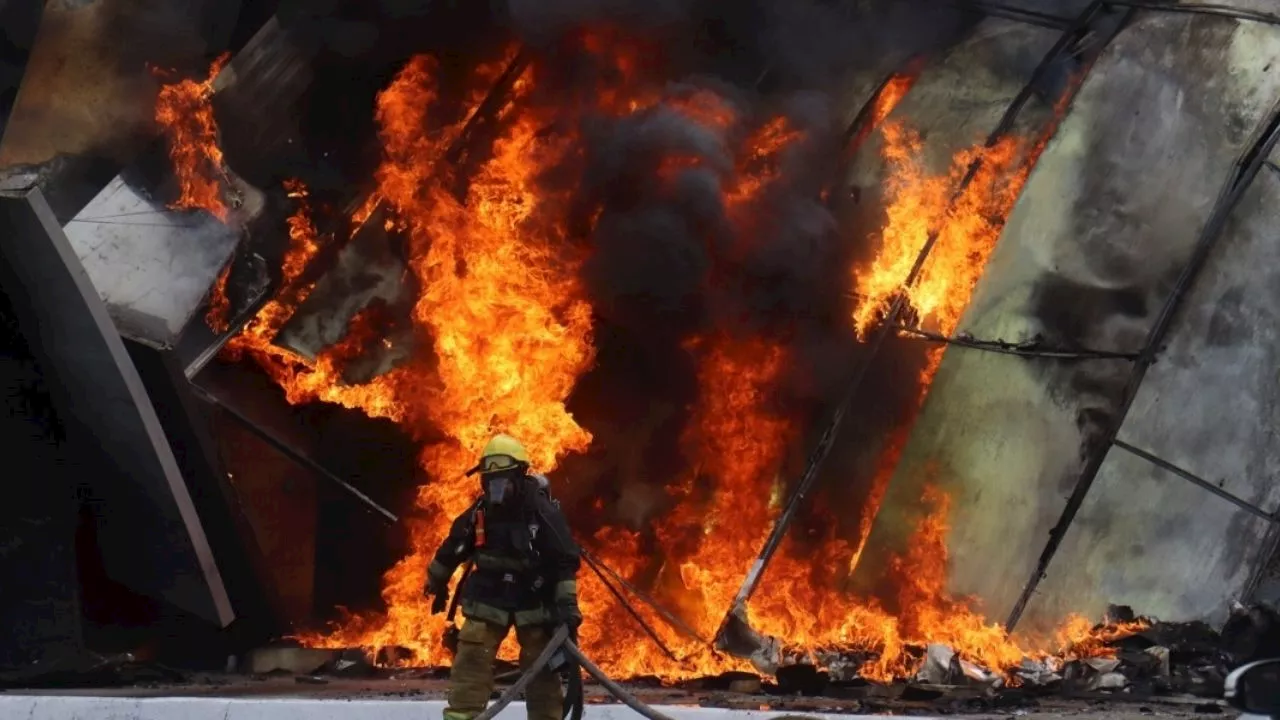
{"points": [[503, 452]]}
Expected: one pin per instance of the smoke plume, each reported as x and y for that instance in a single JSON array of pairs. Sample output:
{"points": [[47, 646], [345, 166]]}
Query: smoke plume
{"points": [[677, 251]]}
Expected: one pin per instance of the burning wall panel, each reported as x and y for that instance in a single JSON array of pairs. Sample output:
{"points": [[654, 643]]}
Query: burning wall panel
{"points": [[1207, 406], [366, 270], [959, 98], [952, 107], [1104, 224]]}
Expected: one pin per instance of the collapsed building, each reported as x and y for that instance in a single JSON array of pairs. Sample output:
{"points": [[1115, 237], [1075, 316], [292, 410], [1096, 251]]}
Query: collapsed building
{"points": [[863, 341]]}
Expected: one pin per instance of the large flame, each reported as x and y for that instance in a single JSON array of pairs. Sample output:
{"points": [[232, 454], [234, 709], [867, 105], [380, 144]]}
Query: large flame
{"points": [[510, 331], [184, 112]]}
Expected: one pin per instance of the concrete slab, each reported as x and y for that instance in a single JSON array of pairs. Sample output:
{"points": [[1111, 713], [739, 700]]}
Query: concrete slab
{"points": [[1103, 225], [152, 266]]}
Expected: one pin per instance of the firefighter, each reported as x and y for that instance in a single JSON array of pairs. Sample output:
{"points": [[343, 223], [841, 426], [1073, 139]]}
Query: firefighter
{"points": [[525, 567]]}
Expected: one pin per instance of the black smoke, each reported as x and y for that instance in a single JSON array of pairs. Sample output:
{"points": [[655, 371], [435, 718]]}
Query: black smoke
{"points": [[672, 259]]}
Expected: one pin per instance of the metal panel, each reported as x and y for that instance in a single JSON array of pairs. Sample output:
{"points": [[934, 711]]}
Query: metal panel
{"points": [[1209, 403], [152, 539], [1147, 538]]}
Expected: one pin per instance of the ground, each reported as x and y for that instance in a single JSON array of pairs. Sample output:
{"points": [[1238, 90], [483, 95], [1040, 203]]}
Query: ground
{"points": [[873, 700]]}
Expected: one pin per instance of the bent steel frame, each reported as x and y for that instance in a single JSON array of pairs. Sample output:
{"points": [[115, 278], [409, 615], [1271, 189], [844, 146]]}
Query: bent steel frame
{"points": [[1078, 32]]}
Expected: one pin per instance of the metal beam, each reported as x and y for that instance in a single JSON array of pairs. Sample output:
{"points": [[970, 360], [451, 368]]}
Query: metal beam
{"points": [[1197, 481]]}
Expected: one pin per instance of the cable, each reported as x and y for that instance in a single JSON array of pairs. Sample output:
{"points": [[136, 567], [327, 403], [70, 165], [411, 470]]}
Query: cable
{"points": [[1200, 9], [292, 453], [1197, 481], [608, 683], [628, 607], [1016, 14], [1030, 349]]}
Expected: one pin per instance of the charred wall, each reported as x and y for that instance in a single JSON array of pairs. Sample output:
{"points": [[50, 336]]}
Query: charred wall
{"points": [[320, 548]]}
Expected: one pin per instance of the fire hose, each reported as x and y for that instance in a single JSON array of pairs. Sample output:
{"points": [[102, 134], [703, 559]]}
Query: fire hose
{"points": [[553, 659], [451, 631], [560, 642]]}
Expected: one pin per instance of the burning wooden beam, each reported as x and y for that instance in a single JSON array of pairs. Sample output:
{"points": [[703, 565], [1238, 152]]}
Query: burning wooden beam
{"points": [[373, 212]]}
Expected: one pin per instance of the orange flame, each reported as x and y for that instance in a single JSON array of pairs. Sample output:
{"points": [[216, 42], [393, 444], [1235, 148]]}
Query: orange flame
{"points": [[883, 104], [733, 441], [217, 317], [184, 112], [889, 96], [511, 329], [504, 309]]}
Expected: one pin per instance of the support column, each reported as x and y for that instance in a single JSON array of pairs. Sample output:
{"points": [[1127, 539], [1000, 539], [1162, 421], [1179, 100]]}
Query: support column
{"points": [[151, 537]]}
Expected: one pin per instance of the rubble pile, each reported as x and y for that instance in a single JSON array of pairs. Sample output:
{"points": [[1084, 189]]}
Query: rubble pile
{"points": [[1155, 659]]}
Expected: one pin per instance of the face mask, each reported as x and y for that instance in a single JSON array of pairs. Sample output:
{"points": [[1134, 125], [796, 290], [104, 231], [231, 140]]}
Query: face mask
{"points": [[497, 488]]}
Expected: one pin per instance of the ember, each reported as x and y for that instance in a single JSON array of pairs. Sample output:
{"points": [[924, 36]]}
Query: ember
{"points": [[500, 251]]}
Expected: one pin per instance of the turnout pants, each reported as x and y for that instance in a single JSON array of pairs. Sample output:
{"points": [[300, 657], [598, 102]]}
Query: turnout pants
{"points": [[471, 679]]}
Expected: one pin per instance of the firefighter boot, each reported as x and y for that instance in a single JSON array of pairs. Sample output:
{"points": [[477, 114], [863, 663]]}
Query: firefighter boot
{"points": [[543, 697], [471, 679]]}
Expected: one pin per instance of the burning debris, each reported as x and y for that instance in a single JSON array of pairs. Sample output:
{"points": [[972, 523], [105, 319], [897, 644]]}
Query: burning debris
{"points": [[638, 220], [1125, 659]]}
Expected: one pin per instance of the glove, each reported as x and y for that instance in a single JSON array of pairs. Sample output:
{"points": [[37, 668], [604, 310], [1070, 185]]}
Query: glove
{"points": [[450, 639], [569, 614], [439, 588]]}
